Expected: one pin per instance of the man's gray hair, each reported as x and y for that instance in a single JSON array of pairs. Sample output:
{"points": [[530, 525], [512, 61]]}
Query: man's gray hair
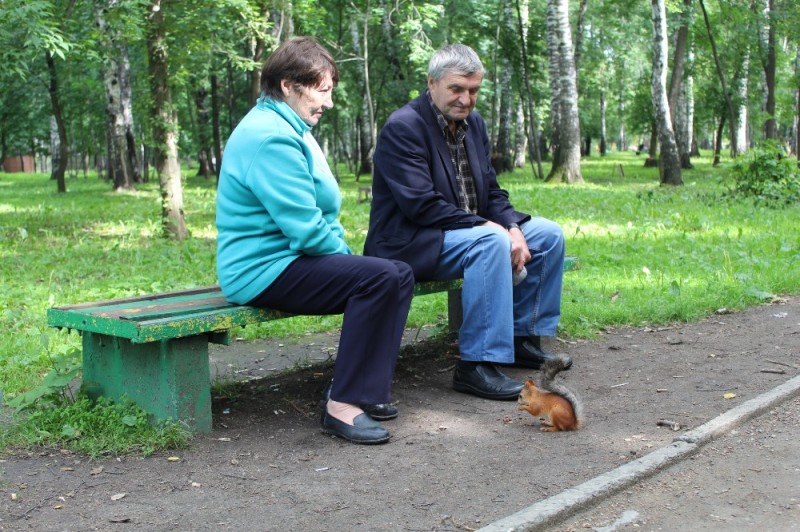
{"points": [[458, 59]]}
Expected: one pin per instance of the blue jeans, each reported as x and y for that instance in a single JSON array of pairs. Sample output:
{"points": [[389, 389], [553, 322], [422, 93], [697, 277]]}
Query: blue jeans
{"points": [[494, 310]]}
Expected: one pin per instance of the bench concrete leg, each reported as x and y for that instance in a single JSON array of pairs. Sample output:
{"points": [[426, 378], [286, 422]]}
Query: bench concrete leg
{"points": [[455, 314], [169, 379]]}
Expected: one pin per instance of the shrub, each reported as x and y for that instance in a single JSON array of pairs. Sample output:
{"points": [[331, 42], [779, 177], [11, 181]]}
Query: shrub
{"points": [[765, 173]]}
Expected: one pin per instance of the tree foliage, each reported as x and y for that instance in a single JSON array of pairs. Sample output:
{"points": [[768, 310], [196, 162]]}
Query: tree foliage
{"points": [[216, 48]]}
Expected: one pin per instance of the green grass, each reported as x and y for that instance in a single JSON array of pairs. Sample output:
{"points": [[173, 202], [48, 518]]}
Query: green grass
{"points": [[94, 429], [650, 254]]}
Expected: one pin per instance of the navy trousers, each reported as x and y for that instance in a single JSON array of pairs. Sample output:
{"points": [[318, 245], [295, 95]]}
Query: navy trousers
{"points": [[373, 294]]}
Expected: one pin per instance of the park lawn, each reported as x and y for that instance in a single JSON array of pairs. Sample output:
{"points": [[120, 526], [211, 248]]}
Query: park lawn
{"points": [[650, 255]]}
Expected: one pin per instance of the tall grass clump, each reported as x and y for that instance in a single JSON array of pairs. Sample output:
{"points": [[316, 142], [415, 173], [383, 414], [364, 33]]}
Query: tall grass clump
{"points": [[767, 175]]}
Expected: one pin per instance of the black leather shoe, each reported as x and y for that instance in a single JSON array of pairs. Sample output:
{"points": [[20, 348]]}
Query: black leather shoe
{"points": [[379, 412], [364, 429], [528, 353], [484, 380]]}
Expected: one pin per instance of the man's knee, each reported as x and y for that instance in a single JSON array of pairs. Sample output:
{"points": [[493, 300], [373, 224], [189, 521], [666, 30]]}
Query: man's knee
{"points": [[494, 239]]}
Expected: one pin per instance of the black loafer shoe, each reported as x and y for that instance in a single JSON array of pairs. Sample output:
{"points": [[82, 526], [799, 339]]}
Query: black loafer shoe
{"points": [[364, 429], [484, 380], [379, 412], [529, 354]]}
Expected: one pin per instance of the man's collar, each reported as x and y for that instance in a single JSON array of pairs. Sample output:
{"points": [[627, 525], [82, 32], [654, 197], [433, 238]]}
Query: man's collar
{"points": [[441, 120]]}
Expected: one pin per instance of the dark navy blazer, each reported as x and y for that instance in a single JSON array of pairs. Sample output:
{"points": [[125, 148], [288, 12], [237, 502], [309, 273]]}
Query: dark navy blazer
{"points": [[415, 192]]}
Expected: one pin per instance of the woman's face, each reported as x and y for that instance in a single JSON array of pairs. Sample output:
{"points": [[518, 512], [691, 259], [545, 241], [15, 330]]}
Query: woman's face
{"points": [[309, 102]]}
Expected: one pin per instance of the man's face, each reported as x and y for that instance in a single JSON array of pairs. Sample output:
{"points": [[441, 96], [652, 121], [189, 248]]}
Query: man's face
{"points": [[455, 95]]}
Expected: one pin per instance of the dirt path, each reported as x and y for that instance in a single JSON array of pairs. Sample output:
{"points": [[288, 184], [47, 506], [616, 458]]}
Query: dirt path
{"points": [[455, 462]]}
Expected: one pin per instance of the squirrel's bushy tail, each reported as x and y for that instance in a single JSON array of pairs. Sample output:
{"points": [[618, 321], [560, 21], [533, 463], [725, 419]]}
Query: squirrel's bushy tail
{"points": [[550, 369]]}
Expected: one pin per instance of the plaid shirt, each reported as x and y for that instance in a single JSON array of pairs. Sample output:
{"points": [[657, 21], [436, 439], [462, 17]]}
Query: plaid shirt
{"points": [[467, 198]]}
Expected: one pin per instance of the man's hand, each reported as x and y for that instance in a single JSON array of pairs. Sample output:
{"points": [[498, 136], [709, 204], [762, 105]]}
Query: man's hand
{"points": [[520, 254]]}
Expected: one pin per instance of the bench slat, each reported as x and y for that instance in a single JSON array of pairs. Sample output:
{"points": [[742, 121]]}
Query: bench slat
{"points": [[184, 313]]}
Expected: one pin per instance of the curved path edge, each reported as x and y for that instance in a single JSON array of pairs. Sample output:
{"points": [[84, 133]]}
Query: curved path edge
{"points": [[550, 511]]}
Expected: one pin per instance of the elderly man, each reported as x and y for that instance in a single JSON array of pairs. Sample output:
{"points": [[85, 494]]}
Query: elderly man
{"points": [[438, 207]]}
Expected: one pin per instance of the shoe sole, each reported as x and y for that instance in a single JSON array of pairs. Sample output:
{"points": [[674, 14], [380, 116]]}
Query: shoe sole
{"points": [[474, 391], [363, 442], [381, 418]]}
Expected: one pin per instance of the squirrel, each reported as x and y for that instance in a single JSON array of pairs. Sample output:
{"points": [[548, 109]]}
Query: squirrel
{"points": [[562, 408]]}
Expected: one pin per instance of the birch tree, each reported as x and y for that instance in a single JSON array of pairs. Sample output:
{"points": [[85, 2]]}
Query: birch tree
{"points": [[566, 166], [669, 162], [677, 87], [116, 82]]}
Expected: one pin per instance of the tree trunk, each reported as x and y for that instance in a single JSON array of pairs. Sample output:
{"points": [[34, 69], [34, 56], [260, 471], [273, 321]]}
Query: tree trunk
{"points": [[119, 161], [669, 166], [652, 150], [623, 140], [216, 133], [205, 168], [740, 84], [530, 109], [603, 108], [770, 60], [521, 140], [368, 128], [567, 167], [165, 127], [723, 84], [718, 140], [677, 87], [797, 108], [501, 158], [579, 33], [257, 45], [60, 166], [555, 88], [683, 122]]}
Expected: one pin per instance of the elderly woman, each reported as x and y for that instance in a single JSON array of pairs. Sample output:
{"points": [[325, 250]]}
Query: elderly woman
{"points": [[281, 245]]}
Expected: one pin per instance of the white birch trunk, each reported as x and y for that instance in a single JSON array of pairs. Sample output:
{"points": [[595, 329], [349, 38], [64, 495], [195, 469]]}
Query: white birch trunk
{"points": [[521, 144], [119, 164], [741, 95], [669, 161], [567, 167]]}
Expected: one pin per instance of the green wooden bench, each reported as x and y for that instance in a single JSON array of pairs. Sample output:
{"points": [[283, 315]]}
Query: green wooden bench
{"points": [[154, 349]]}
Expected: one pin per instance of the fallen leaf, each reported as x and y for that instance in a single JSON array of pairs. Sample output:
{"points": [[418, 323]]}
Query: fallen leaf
{"points": [[729, 395], [118, 496], [174, 459], [96, 471]]}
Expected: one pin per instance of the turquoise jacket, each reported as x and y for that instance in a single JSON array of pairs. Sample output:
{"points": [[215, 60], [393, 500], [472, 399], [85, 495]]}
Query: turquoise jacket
{"points": [[276, 200]]}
